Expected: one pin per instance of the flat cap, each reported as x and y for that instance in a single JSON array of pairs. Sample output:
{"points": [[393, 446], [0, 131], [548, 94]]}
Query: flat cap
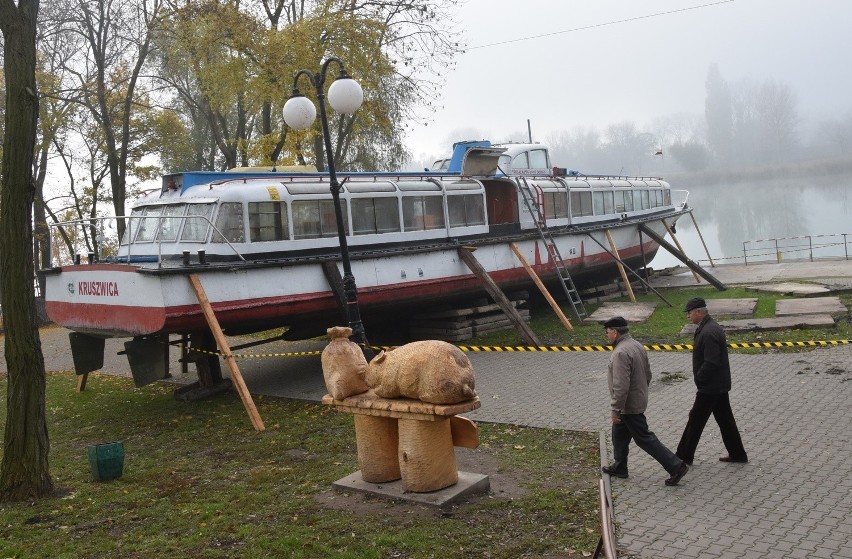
{"points": [[616, 322], [695, 303]]}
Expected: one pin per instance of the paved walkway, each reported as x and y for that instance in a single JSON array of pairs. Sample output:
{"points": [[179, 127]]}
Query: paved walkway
{"points": [[793, 500]]}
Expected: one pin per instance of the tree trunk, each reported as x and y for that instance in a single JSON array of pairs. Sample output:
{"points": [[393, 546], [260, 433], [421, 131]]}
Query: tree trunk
{"points": [[24, 473]]}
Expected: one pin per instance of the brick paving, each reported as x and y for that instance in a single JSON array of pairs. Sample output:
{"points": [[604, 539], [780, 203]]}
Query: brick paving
{"points": [[793, 499]]}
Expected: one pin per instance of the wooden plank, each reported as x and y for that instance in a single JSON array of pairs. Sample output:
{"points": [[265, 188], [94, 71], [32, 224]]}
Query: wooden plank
{"points": [[541, 287], [368, 402], [680, 248], [683, 258], [700, 236], [465, 432], [236, 376], [499, 297], [620, 265]]}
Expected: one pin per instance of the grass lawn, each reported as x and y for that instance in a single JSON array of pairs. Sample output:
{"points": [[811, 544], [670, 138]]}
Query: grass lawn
{"points": [[665, 324], [199, 482]]}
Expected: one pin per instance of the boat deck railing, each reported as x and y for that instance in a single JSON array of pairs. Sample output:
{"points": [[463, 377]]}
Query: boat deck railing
{"points": [[679, 198], [84, 226]]}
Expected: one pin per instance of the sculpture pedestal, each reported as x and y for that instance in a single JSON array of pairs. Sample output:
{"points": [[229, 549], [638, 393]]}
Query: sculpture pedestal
{"points": [[409, 439]]}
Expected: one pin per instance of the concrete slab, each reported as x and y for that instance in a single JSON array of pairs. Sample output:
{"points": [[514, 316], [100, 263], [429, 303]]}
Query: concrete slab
{"points": [[811, 305], [834, 270], [731, 307], [791, 288], [469, 484], [778, 323], [632, 312]]}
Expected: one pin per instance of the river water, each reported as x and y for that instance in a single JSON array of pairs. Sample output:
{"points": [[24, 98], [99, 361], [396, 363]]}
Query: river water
{"points": [[730, 214]]}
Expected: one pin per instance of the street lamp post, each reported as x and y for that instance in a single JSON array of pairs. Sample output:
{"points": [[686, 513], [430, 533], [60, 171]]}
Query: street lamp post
{"points": [[344, 96]]}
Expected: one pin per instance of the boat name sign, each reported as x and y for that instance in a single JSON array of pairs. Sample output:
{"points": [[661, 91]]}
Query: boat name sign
{"points": [[95, 288]]}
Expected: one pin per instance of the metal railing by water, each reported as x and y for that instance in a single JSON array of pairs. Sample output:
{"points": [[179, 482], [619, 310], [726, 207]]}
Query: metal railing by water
{"points": [[797, 247]]}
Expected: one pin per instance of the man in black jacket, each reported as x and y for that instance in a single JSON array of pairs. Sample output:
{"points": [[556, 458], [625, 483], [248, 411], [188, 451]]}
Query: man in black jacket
{"points": [[712, 375]]}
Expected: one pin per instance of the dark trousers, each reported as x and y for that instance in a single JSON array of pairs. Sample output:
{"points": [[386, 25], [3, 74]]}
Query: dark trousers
{"points": [[720, 406], [634, 426]]}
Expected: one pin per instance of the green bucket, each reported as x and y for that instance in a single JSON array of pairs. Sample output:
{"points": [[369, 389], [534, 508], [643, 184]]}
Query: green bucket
{"points": [[106, 460]]}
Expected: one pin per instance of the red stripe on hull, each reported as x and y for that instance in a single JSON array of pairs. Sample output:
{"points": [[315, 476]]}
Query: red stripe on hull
{"points": [[118, 320], [278, 311]]}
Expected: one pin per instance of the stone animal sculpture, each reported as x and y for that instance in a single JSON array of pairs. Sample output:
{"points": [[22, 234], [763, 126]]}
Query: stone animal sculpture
{"points": [[344, 367], [431, 371]]}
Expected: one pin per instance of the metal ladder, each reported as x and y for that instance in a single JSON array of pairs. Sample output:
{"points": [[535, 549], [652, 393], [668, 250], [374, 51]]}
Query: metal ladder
{"points": [[540, 220]]}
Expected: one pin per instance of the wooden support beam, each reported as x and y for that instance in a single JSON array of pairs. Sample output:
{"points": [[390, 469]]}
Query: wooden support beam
{"points": [[680, 248], [683, 258], [541, 287], [700, 236], [620, 266], [466, 255], [222, 342]]}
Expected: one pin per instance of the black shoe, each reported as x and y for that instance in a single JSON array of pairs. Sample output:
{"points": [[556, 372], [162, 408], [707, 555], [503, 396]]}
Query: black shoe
{"points": [[728, 458], [677, 477], [613, 472]]}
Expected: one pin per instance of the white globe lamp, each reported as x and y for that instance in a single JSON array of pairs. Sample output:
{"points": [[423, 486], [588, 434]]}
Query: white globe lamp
{"points": [[299, 112], [345, 95]]}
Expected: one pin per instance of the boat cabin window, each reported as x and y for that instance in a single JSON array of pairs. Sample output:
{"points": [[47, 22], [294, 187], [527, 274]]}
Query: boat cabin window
{"points": [[623, 201], [132, 224], [268, 221], [521, 161], [147, 229], [171, 222], [644, 201], [658, 198], [603, 203], [581, 204], [375, 215], [229, 223], [466, 210], [418, 185], [196, 228], [441, 165], [667, 197], [555, 205], [538, 159], [421, 213], [371, 186], [315, 218]]}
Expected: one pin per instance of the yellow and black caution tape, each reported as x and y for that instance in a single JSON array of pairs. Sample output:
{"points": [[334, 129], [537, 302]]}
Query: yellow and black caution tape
{"points": [[550, 348], [811, 343]]}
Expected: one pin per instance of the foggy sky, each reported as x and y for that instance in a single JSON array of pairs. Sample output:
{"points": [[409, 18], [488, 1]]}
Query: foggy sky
{"points": [[630, 71]]}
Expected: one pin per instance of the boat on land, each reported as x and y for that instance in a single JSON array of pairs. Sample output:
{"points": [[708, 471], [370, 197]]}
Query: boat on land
{"points": [[261, 243]]}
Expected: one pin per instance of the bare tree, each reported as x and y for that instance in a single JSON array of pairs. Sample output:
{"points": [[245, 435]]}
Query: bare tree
{"points": [[24, 473], [718, 110], [777, 120], [115, 41]]}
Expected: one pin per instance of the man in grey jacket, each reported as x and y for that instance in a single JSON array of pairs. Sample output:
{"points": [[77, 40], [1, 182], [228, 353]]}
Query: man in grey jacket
{"points": [[629, 377]]}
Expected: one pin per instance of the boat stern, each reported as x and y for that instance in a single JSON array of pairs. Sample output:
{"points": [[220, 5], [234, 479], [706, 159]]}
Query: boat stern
{"points": [[108, 300]]}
